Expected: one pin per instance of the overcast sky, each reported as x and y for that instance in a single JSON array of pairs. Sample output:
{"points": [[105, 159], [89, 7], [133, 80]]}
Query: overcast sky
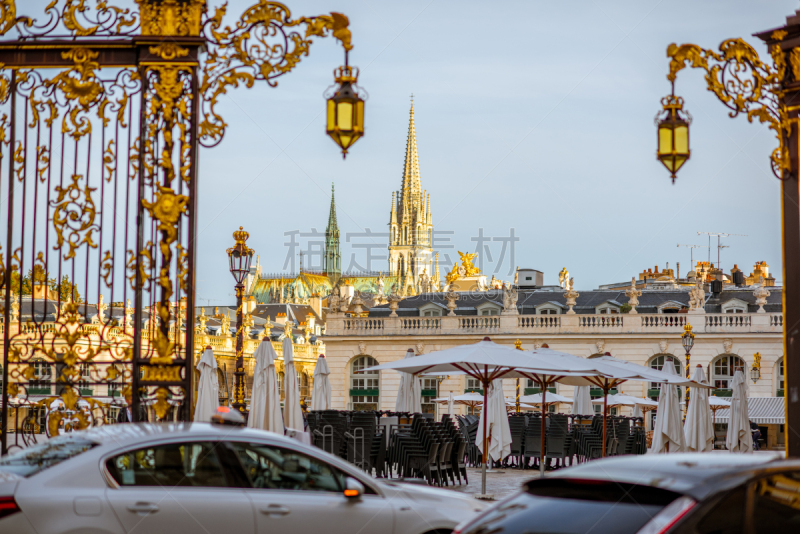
{"points": [[534, 117]]}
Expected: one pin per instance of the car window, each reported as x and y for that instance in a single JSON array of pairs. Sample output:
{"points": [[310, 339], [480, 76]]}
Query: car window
{"points": [[776, 503], [169, 465], [575, 505], [39, 457], [726, 516], [270, 467]]}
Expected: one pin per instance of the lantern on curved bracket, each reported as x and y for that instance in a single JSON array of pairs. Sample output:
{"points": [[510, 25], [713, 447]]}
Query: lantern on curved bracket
{"points": [[345, 111], [673, 133], [755, 371]]}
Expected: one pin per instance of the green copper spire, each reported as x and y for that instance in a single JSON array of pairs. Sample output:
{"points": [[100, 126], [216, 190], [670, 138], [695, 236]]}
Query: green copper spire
{"points": [[332, 261]]}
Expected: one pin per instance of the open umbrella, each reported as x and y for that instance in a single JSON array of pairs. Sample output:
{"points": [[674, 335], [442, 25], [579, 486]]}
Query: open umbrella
{"points": [[715, 404], [321, 397], [550, 398], [484, 361], [208, 390], [467, 399], [292, 412], [668, 430], [739, 438], [582, 401], [698, 428], [495, 418], [265, 404], [409, 394]]}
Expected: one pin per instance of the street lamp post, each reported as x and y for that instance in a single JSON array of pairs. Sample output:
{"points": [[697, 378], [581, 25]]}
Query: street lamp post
{"points": [[768, 93], [518, 346], [239, 256], [687, 340]]}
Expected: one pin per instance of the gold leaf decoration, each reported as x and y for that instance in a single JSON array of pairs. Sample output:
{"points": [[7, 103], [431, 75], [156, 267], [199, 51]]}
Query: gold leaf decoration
{"points": [[74, 215]]}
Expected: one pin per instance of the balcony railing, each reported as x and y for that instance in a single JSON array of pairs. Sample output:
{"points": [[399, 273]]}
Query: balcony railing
{"points": [[555, 324]]}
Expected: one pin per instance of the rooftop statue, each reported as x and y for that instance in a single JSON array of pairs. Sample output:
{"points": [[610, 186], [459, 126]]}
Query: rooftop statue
{"points": [[466, 262], [563, 278]]}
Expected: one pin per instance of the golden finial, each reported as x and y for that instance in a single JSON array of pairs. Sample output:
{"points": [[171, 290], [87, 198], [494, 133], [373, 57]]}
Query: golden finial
{"points": [[518, 344]]}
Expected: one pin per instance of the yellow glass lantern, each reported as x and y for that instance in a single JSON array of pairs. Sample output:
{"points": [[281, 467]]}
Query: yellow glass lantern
{"points": [[673, 134], [345, 123]]}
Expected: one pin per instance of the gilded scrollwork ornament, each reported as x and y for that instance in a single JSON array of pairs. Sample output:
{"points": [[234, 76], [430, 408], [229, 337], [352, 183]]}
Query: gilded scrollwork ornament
{"points": [[74, 215], [743, 83]]}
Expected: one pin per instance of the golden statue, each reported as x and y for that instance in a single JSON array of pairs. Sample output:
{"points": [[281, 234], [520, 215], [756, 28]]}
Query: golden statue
{"points": [[466, 262], [452, 276]]}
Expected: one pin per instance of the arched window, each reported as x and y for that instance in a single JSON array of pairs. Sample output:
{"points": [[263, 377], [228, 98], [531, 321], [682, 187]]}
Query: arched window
{"points": [[723, 368], [780, 391], [364, 392], [657, 363], [41, 383]]}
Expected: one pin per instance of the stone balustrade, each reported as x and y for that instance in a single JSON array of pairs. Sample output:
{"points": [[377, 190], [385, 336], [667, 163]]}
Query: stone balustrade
{"points": [[340, 325]]}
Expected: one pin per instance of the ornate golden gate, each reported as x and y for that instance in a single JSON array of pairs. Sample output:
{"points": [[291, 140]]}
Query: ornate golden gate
{"points": [[102, 111]]}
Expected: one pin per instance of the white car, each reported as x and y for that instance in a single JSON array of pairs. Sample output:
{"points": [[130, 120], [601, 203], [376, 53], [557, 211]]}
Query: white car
{"points": [[202, 478]]}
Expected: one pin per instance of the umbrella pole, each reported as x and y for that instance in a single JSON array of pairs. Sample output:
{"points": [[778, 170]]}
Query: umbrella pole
{"points": [[605, 415], [485, 424], [544, 426]]}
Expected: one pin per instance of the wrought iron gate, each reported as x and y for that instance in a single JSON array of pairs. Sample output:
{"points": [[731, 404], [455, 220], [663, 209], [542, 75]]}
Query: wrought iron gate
{"points": [[102, 111]]}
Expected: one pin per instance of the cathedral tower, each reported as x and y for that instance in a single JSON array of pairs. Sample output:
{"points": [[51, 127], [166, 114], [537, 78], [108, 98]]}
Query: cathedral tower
{"points": [[410, 222], [332, 261]]}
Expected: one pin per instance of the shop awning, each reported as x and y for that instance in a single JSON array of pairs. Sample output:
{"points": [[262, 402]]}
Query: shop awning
{"points": [[763, 411]]}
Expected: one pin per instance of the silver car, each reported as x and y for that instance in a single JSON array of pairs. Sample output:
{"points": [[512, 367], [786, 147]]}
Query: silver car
{"points": [[203, 478]]}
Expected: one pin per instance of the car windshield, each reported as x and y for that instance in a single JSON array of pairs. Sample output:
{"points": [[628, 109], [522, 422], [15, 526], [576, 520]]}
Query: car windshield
{"points": [[567, 506], [30, 461]]}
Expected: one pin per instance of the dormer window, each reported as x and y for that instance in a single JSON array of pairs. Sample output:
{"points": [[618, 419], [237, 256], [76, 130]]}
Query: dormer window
{"points": [[607, 310], [431, 313], [488, 308], [734, 306], [550, 308]]}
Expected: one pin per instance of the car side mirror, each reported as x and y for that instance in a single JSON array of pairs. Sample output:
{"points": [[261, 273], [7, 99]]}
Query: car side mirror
{"points": [[353, 489]]}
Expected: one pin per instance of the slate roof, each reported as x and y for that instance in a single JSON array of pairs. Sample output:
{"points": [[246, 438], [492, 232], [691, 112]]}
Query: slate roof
{"points": [[527, 300]]}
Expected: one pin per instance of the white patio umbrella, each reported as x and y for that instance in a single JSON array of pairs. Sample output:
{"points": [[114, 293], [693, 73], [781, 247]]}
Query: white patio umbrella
{"points": [[409, 394], [668, 430], [739, 438], [467, 399], [625, 400], [698, 428], [292, 412], [582, 401], [450, 402], [208, 389], [614, 372], [484, 361], [265, 404], [321, 397], [550, 398], [495, 419], [716, 403]]}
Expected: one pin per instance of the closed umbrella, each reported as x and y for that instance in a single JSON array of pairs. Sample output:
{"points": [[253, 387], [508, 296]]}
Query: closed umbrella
{"points": [[409, 395], [265, 404], [450, 402], [495, 419], [321, 397], [668, 430], [698, 428], [582, 401], [208, 390], [292, 412], [739, 438]]}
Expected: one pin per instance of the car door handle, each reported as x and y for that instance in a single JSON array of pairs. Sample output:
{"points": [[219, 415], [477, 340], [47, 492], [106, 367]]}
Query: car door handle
{"points": [[275, 509], [143, 508]]}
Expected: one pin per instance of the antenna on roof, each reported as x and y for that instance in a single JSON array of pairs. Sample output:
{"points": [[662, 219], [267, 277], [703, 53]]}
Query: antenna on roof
{"points": [[719, 244], [691, 253]]}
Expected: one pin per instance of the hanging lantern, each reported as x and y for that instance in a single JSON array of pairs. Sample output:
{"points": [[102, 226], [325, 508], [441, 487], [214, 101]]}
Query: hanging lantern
{"points": [[687, 339], [345, 123], [673, 134]]}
